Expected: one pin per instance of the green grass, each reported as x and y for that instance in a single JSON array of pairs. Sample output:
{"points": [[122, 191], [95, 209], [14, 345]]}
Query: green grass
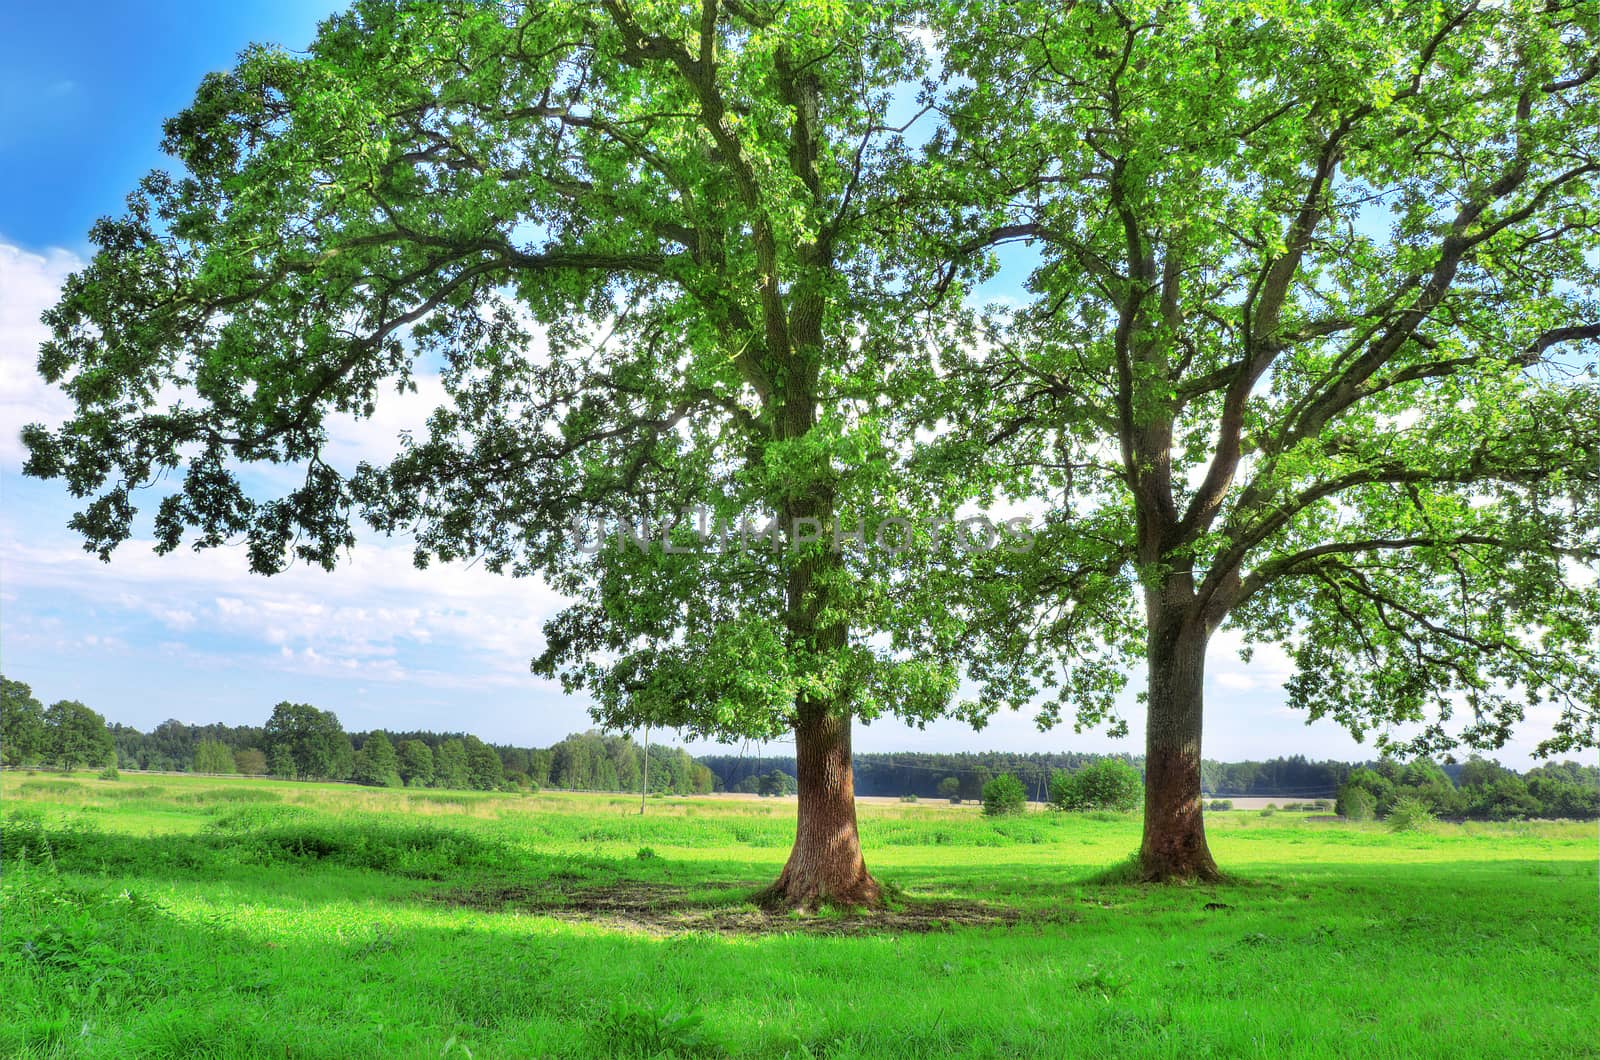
{"points": [[201, 916]]}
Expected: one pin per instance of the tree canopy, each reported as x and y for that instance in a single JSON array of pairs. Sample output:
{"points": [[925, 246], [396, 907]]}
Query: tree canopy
{"points": [[22, 732], [76, 736], [309, 741]]}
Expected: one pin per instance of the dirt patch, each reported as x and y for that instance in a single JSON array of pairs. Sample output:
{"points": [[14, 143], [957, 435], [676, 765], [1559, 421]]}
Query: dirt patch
{"points": [[666, 909]]}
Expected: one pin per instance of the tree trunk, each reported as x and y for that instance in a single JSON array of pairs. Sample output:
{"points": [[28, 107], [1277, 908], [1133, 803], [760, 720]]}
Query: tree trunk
{"points": [[1174, 846], [825, 865]]}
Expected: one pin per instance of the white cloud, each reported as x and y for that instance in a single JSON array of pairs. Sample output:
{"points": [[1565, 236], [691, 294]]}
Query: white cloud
{"points": [[1235, 680], [29, 284], [375, 439], [377, 615], [1269, 666]]}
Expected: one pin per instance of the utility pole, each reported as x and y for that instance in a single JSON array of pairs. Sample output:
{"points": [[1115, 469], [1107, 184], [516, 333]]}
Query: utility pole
{"points": [[644, 789]]}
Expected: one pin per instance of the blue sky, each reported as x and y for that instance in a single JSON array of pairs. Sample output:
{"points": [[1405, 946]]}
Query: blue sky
{"points": [[83, 91]]}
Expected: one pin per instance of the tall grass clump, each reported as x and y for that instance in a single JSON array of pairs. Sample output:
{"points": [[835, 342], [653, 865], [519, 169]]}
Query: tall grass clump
{"points": [[1410, 814]]}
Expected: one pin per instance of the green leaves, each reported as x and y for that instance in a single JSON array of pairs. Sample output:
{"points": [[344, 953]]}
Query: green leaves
{"points": [[655, 262], [1311, 293]]}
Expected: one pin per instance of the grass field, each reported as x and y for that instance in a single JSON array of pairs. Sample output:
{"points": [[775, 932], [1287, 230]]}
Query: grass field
{"points": [[179, 916]]}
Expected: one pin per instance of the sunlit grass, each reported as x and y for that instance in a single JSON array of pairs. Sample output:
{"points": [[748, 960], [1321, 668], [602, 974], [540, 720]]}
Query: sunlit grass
{"points": [[173, 916]]}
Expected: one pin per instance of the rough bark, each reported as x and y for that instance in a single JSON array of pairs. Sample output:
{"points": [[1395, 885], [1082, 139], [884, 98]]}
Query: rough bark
{"points": [[1174, 846], [825, 866]]}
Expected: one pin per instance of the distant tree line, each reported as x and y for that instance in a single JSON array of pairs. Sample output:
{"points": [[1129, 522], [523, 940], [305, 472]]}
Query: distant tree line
{"points": [[923, 774], [301, 742], [1479, 790], [964, 774]]}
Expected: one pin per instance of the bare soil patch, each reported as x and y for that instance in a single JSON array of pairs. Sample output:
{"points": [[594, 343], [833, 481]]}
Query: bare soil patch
{"points": [[667, 909]]}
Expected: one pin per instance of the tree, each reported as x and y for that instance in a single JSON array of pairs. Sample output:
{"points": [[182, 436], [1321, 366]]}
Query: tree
{"points": [[776, 782], [484, 770], [1507, 798], [1312, 288], [1566, 789], [973, 783], [376, 763], [250, 761], [22, 730], [213, 756], [281, 762], [539, 763], [704, 212], [450, 766], [416, 763], [172, 746], [950, 788], [1109, 784], [1004, 795], [1379, 789], [76, 736], [313, 741], [1479, 772], [1357, 804]]}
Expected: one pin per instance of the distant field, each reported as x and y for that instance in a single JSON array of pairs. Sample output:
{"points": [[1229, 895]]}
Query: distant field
{"points": [[180, 916]]}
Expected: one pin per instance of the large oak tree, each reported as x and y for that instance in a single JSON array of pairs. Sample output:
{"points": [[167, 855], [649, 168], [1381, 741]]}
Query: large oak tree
{"points": [[1317, 288], [652, 248]]}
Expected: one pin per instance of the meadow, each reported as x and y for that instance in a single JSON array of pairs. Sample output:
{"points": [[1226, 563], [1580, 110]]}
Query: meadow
{"points": [[195, 916]]}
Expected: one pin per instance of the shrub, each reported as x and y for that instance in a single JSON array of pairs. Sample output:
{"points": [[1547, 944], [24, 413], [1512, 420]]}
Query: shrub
{"points": [[1219, 805], [1268, 811], [950, 788], [909, 797], [1109, 784], [251, 762], [1356, 804], [1322, 804], [110, 773], [1004, 795], [1410, 814], [1375, 784], [646, 854]]}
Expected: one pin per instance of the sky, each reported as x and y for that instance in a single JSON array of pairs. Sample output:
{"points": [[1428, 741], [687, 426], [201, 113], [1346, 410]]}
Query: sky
{"points": [[84, 88]]}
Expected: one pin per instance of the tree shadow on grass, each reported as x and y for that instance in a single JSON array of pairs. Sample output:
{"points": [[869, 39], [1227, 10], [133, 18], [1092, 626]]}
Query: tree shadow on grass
{"points": [[318, 861]]}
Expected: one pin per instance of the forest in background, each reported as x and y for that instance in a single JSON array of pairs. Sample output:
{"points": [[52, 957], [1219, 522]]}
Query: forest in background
{"points": [[301, 742]]}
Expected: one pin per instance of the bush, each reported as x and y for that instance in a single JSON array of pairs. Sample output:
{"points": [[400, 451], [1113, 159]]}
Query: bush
{"points": [[1410, 814], [1218, 805], [1268, 811], [950, 788], [911, 797], [110, 773], [1356, 804], [1322, 804], [1109, 784], [1004, 795]]}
